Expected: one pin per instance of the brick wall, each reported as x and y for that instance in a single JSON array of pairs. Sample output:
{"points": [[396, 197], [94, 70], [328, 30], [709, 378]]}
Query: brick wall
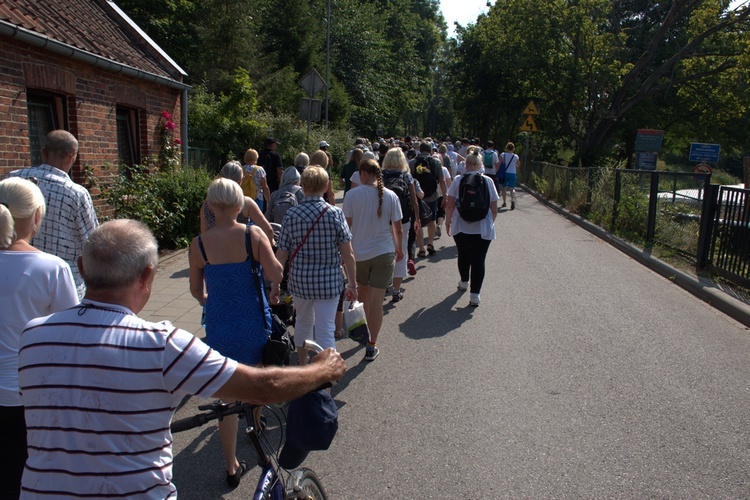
{"points": [[92, 96]]}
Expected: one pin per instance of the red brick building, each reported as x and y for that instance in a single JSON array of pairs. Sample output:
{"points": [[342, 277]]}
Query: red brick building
{"points": [[84, 66]]}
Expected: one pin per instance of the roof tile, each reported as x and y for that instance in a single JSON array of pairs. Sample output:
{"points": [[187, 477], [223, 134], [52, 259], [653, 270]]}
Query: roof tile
{"points": [[82, 24]]}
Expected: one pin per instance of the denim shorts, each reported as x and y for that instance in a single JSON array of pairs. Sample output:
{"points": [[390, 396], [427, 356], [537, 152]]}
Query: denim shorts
{"points": [[510, 180]]}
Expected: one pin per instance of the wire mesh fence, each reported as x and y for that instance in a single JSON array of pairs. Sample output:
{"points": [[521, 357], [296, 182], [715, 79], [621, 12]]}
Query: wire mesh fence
{"points": [[646, 208]]}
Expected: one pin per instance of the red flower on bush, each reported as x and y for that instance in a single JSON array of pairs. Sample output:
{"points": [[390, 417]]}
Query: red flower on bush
{"points": [[169, 156]]}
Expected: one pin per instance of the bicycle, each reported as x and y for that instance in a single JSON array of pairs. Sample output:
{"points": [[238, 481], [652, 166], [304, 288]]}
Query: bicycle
{"points": [[274, 483]]}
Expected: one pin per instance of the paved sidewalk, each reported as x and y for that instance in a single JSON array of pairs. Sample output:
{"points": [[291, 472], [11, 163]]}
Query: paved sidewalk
{"points": [[170, 298]]}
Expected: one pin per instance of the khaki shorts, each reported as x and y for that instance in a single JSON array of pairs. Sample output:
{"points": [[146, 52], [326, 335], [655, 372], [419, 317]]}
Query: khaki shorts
{"points": [[376, 272]]}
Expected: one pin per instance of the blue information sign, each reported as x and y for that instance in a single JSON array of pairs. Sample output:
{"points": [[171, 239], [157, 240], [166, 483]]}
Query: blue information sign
{"points": [[648, 140], [646, 161], [704, 153]]}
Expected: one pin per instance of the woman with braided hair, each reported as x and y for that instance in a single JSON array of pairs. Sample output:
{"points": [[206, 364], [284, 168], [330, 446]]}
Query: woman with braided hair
{"points": [[374, 216]]}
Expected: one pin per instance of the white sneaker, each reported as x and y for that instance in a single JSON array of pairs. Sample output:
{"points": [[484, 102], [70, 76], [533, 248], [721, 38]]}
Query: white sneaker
{"points": [[463, 285], [474, 300]]}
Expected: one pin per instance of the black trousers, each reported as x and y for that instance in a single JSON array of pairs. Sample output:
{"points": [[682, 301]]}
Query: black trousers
{"points": [[472, 251], [13, 456]]}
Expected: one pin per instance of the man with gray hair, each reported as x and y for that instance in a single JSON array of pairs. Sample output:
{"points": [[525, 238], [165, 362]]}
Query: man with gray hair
{"points": [[70, 211], [100, 385]]}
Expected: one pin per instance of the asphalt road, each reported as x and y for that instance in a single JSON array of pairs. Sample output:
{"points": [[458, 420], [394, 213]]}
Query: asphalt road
{"points": [[582, 375]]}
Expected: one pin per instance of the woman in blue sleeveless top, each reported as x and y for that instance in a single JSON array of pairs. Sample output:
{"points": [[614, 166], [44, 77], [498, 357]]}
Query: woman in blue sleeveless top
{"points": [[225, 256]]}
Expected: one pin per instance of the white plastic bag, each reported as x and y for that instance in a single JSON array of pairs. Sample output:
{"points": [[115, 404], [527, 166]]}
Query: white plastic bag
{"points": [[355, 321]]}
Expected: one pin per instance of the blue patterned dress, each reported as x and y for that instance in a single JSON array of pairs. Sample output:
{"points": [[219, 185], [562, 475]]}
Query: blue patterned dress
{"points": [[234, 326]]}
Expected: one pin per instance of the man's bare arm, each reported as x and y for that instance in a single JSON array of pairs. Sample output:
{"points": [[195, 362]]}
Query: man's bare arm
{"points": [[269, 385]]}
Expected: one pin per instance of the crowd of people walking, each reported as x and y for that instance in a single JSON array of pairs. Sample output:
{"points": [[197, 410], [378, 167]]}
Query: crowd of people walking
{"points": [[260, 223]]}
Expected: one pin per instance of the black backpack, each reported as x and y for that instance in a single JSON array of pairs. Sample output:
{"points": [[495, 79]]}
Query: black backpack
{"points": [[424, 174], [473, 201], [396, 182]]}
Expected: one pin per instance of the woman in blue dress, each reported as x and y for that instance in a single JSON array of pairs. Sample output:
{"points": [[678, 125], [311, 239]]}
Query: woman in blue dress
{"points": [[224, 257]]}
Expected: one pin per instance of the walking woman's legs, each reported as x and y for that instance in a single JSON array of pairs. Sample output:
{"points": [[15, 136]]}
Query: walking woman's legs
{"points": [[478, 255], [463, 247], [228, 434], [372, 299]]}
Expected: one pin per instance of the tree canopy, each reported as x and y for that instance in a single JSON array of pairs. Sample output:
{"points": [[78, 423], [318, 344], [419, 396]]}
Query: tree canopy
{"points": [[598, 69]]}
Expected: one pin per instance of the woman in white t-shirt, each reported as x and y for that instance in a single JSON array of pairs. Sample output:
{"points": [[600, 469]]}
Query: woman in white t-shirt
{"points": [[509, 159], [374, 215], [472, 238], [42, 284]]}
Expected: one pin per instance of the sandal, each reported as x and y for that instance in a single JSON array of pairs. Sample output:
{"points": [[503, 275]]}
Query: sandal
{"points": [[421, 253], [431, 250], [339, 334], [234, 480]]}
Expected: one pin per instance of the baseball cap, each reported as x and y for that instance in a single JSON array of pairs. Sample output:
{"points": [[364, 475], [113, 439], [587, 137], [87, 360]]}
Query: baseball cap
{"points": [[311, 424], [323, 144], [270, 140]]}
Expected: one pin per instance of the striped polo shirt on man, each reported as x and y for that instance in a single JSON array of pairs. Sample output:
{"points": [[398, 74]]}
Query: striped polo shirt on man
{"points": [[100, 386]]}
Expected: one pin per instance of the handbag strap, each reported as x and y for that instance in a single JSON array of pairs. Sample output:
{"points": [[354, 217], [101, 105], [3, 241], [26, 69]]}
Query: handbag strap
{"points": [[296, 250], [256, 278]]}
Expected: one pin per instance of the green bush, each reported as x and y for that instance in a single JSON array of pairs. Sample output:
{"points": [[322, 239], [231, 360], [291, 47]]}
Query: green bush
{"points": [[229, 124], [167, 201]]}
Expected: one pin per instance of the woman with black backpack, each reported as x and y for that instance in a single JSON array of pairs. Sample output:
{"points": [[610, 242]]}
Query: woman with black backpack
{"points": [[470, 211], [397, 178]]}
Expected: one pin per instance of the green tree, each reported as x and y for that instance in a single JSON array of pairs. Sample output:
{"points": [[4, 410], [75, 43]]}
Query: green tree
{"points": [[594, 64]]}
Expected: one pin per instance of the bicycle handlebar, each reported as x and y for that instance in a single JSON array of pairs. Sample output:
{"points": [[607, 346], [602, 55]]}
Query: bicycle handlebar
{"points": [[312, 346], [189, 423]]}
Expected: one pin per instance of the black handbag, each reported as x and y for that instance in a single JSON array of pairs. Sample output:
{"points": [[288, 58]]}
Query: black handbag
{"points": [[280, 344]]}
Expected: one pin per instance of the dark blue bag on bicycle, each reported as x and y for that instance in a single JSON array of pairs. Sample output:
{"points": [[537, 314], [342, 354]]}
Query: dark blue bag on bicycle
{"points": [[311, 424]]}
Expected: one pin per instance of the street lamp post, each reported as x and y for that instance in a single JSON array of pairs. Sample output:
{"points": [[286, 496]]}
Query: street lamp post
{"points": [[328, 56]]}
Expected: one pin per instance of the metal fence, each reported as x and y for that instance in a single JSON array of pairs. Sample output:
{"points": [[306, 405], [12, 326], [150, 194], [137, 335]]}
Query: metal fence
{"points": [[655, 207], [682, 214], [562, 184], [727, 227], [200, 156]]}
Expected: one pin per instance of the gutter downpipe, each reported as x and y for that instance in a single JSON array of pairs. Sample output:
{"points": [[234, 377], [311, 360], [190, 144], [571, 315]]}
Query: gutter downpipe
{"points": [[184, 123]]}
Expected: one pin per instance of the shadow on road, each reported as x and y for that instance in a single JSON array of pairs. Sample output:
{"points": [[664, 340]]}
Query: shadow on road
{"points": [[438, 320], [184, 273]]}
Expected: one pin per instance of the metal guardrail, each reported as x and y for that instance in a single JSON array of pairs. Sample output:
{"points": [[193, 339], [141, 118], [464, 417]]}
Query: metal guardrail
{"points": [[728, 221]]}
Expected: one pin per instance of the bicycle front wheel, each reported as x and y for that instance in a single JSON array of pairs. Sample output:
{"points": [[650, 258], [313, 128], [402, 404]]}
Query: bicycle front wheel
{"points": [[305, 484]]}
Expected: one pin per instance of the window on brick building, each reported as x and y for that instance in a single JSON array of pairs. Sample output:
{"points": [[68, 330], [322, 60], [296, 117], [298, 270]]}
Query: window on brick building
{"points": [[47, 112], [127, 136]]}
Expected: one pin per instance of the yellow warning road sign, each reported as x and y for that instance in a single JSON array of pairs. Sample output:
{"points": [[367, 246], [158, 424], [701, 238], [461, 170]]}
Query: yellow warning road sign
{"points": [[531, 109], [529, 125]]}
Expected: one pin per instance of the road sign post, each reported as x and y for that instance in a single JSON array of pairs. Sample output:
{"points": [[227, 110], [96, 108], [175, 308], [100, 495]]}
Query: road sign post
{"points": [[313, 83], [528, 126], [647, 147]]}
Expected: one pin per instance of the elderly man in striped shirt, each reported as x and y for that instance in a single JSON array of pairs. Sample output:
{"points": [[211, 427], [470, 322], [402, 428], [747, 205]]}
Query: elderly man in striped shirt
{"points": [[100, 385]]}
